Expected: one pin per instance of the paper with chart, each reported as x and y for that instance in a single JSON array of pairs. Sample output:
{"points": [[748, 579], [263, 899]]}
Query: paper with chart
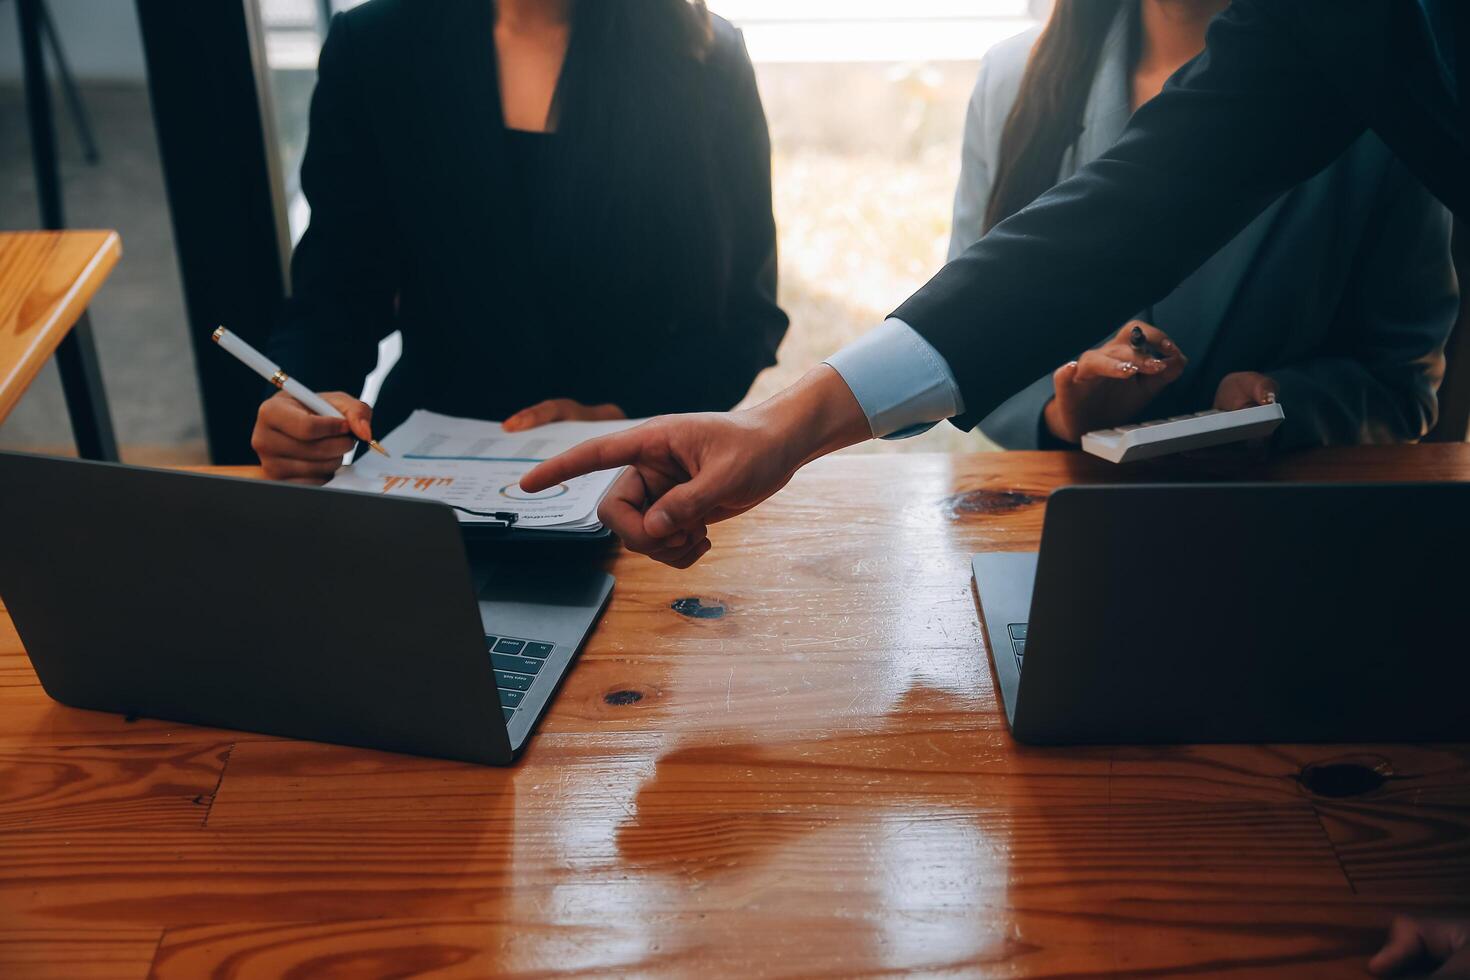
{"points": [[477, 466]]}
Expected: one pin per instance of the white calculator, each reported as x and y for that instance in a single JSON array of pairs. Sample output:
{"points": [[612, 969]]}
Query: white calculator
{"points": [[1146, 440]]}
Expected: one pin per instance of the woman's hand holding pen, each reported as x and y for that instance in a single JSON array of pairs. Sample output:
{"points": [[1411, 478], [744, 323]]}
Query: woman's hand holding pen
{"points": [[561, 410], [297, 445], [1113, 384]]}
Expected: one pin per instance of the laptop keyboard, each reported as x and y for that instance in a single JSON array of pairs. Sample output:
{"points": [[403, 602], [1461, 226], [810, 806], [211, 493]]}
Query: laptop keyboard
{"points": [[1018, 640], [516, 663]]}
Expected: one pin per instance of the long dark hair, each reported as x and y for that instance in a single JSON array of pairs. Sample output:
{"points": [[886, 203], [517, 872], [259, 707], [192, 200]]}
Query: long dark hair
{"points": [[1047, 116], [634, 167]]}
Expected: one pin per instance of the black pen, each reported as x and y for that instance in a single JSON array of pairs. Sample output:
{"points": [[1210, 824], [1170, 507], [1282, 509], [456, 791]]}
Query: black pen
{"points": [[1140, 343]]}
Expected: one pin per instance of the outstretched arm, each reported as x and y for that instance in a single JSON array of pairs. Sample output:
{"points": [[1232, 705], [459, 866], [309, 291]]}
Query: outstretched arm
{"points": [[689, 471], [1241, 124]]}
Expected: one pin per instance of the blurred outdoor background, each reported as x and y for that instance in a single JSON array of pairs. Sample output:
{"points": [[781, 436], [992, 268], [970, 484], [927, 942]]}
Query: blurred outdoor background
{"points": [[865, 99]]}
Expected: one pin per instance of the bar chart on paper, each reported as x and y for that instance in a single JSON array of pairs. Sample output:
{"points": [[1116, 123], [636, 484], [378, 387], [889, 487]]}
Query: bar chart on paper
{"points": [[477, 466]]}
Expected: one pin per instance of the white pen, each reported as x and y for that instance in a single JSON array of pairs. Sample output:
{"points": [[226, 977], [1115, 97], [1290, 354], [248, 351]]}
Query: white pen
{"points": [[267, 369]]}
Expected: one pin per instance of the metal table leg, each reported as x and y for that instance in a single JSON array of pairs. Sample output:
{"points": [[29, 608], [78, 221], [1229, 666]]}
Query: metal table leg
{"points": [[81, 381], [74, 102]]}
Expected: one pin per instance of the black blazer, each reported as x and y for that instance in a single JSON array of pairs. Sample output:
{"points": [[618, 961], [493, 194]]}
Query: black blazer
{"points": [[413, 228], [1282, 89]]}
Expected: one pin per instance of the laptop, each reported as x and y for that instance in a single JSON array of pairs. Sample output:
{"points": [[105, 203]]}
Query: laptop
{"points": [[285, 610], [1236, 613]]}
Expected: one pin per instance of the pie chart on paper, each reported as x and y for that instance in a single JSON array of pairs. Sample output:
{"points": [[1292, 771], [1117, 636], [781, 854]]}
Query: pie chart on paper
{"points": [[513, 491]]}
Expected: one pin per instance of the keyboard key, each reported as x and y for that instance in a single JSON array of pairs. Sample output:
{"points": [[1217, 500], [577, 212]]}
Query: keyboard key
{"points": [[490, 641], [538, 650], [524, 665], [511, 699], [509, 646], [515, 682], [1020, 647], [508, 713], [1017, 631]]}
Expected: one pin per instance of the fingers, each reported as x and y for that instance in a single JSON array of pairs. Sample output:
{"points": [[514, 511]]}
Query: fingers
{"points": [[622, 512], [268, 443], [542, 413], [1243, 389], [1065, 376], [294, 443], [1109, 362], [1158, 357], [1152, 336], [1231, 397], [1404, 948], [359, 413], [299, 471], [286, 415], [682, 558], [684, 507], [602, 453]]}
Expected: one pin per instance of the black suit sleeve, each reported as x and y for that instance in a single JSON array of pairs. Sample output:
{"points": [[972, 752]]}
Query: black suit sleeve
{"points": [[755, 320], [345, 270], [753, 324], [1247, 120]]}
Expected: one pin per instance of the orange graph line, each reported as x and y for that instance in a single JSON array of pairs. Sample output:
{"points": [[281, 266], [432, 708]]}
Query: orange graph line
{"points": [[423, 484]]}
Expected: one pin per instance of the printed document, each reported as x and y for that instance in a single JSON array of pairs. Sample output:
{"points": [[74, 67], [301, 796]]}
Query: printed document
{"points": [[477, 466]]}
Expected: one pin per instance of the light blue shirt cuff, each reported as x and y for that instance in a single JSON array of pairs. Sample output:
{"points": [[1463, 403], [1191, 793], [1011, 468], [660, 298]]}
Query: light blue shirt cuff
{"points": [[901, 382]]}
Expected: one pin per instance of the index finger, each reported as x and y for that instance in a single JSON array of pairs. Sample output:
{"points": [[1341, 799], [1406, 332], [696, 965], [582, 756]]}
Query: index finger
{"points": [[602, 453], [287, 415]]}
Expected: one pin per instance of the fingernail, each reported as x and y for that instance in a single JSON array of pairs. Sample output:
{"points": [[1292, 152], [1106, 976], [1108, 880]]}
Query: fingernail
{"points": [[660, 524], [1270, 398], [1137, 337]]}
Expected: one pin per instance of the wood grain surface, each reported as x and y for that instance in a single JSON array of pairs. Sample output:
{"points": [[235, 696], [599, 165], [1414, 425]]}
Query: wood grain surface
{"points": [[788, 761], [47, 278]]}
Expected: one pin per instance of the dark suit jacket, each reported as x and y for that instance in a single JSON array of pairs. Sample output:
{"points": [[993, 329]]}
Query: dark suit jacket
{"points": [[1283, 88], [417, 226]]}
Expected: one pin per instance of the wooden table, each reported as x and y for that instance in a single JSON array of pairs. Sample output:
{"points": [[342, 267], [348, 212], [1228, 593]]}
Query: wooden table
{"points": [[47, 278], [789, 760]]}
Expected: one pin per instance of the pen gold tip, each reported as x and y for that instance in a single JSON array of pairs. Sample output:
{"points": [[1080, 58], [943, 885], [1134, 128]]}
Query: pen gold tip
{"points": [[379, 448]]}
